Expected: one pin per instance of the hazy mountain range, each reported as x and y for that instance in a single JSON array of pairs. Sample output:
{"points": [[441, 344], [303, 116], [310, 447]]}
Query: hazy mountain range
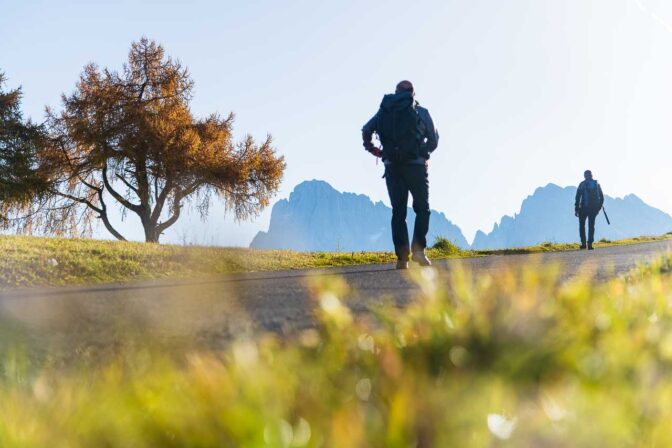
{"points": [[317, 217], [548, 215]]}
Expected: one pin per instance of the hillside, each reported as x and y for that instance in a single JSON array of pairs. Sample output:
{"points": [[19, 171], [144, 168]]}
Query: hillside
{"points": [[39, 261]]}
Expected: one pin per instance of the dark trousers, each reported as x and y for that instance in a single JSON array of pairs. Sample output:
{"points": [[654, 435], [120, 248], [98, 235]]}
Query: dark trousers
{"points": [[589, 215], [401, 180]]}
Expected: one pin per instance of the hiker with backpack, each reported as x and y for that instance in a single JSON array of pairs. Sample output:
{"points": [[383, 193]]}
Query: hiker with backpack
{"points": [[587, 205], [408, 137]]}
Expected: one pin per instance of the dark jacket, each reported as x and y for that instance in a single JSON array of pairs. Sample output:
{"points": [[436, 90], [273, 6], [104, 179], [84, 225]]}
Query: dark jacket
{"points": [[428, 136], [578, 201]]}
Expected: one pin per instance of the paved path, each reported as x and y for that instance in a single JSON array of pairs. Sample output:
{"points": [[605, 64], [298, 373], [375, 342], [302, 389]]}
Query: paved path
{"points": [[86, 320]]}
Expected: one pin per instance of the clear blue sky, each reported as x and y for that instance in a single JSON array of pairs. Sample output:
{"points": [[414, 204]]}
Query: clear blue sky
{"points": [[524, 92]]}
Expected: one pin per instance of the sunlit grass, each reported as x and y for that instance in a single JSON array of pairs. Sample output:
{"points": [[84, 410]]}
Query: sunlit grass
{"points": [[59, 261], [559, 247], [515, 358]]}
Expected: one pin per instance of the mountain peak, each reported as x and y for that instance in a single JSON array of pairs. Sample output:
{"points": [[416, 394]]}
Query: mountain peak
{"points": [[317, 217], [549, 187], [313, 186], [548, 215]]}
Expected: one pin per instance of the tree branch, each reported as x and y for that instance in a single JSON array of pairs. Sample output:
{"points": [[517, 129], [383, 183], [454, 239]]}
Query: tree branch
{"points": [[106, 219], [122, 200], [172, 220], [179, 195], [127, 183], [73, 169], [79, 200], [160, 201]]}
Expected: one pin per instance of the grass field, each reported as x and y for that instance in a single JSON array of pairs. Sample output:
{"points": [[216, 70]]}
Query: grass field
{"points": [[511, 359], [32, 261], [56, 261]]}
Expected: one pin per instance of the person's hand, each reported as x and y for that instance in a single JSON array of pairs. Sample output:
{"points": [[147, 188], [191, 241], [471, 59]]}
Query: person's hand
{"points": [[376, 152], [576, 213]]}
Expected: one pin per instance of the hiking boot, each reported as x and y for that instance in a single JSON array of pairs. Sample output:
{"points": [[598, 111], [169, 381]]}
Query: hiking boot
{"points": [[420, 258], [590, 246], [402, 264], [583, 246]]}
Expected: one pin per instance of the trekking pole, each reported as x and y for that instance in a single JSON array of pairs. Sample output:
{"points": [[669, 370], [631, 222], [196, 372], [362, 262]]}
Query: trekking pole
{"points": [[605, 215]]}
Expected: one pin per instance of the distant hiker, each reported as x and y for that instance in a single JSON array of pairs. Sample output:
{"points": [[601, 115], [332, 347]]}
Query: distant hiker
{"points": [[588, 203], [407, 135]]}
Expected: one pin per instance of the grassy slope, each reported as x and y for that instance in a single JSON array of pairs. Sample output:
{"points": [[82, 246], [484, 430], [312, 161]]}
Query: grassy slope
{"points": [[556, 247], [58, 261], [30, 261]]}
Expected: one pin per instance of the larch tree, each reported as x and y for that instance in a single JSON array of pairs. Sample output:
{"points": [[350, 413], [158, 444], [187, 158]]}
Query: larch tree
{"points": [[128, 139]]}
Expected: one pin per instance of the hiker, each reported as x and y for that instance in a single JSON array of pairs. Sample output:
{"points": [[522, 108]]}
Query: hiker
{"points": [[407, 136], [587, 205]]}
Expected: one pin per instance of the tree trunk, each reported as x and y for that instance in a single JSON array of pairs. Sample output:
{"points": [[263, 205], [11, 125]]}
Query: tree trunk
{"points": [[151, 233], [112, 230]]}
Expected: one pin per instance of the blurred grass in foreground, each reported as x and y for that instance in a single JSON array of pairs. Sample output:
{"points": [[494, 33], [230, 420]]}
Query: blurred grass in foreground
{"points": [[38, 261], [516, 359]]}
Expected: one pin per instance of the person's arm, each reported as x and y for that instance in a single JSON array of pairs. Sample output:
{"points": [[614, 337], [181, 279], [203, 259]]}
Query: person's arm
{"points": [[577, 199], [599, 192], [367, 136], [431, 136]]}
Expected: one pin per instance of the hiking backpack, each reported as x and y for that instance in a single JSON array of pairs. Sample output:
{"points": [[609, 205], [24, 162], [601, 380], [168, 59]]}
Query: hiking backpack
{"points": [[591, 194], [398, 128]]}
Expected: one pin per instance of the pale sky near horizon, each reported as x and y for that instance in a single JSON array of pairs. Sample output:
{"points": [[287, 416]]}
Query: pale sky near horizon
{"points": [[523, 92]]}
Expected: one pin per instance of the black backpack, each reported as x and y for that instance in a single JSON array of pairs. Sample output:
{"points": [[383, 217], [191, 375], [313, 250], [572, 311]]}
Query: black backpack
{"points": [[591, 195], [397, 128]]}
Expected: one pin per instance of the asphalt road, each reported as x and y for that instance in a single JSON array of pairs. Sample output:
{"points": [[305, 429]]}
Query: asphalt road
{"points": [[85, 321]]}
